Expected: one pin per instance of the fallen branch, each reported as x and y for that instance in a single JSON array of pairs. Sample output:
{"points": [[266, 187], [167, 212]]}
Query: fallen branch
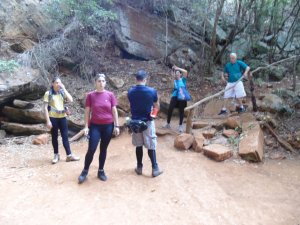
{"points": [[221, 92], [282, 142], [77, 136]]}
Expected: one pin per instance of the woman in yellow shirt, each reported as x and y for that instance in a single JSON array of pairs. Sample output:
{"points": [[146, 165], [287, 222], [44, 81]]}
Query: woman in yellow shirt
{"points": [[55, 114]]}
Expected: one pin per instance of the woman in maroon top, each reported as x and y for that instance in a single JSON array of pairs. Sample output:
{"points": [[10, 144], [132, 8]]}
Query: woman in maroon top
{"points": [[101, 121]]}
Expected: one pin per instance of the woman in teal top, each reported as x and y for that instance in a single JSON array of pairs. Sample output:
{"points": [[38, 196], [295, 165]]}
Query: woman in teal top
{"points": [[180, 76]]}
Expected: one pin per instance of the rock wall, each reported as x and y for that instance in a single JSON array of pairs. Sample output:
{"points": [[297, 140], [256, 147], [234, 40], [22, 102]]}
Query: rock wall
{"points": [[144, 35]]}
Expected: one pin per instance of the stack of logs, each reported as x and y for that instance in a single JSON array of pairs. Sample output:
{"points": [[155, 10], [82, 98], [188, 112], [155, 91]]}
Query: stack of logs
{"points": [[26, 118]]}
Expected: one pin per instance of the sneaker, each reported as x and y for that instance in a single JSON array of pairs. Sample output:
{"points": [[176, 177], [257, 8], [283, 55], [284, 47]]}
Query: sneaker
{"points": [[242, 110], [223, 112], [167, 126], [82, 176], [156, 172], [180, 128], [72, 157], [101, 175], [139, 170], [55, 159]]}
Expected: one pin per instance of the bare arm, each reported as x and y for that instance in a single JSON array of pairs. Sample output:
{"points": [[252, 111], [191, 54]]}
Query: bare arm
{"points": [[116, 120], [115, 115], [224, 77], [87, 112], [246, 72], [67, 94], [183, 71], [46, 113]]}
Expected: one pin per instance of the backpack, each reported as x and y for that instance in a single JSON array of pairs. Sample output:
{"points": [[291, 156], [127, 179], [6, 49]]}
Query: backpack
{"points": [[50, 97]]}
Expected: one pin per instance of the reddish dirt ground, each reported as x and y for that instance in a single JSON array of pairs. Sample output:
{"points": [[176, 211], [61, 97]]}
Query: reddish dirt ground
{"points": [[192, 190]]}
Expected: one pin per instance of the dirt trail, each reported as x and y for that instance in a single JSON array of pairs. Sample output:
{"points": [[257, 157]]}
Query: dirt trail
{"points": [[192, 190]]}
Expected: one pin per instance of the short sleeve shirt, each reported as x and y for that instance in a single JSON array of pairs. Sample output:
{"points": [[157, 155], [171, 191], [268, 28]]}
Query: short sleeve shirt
{"points": [[177, 84], [235, 71], [56, 102], [141, 100], [101, 104]]}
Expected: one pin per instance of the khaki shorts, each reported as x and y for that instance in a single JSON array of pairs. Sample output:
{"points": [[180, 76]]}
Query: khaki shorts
{"points": [[147, 138], [237, 92]]}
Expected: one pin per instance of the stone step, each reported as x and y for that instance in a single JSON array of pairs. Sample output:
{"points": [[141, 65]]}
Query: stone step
{"points": [[217, 152]]}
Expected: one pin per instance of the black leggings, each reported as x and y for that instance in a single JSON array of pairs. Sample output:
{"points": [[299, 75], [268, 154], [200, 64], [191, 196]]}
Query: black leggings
{"points": [[101, 132], [175, 103]]}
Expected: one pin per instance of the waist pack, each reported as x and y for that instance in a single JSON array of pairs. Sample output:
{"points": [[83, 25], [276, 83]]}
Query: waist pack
{"points": [[137, 126]]}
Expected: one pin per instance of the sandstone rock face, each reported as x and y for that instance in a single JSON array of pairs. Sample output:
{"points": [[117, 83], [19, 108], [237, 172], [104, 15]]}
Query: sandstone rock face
{"points": [[143, 35], [209, 133], [251, 146], [183, 141], [23, 19], [42, 139], [217, 152]]}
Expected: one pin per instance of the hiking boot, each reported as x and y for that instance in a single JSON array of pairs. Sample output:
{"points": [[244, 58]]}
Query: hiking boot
{"points": [[101, 175], [82, 176], [156, 172], [72, 157], [55, 159], [167, 126], [180, 128], [223, 112], [242, 110], [139, 170]]}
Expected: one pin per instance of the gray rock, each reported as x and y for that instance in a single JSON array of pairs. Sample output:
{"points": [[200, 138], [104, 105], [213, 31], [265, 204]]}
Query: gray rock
{"points": [[183, 57], [143, 35], [271, 103], [116, 82], [260, 48], [241, 47]]}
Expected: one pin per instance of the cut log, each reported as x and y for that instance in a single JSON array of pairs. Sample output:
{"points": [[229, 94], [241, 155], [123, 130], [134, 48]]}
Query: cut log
{"points": [[77, 136], [75, 125], [189, 122], [24, 129], [23, 104], [26, 116]]}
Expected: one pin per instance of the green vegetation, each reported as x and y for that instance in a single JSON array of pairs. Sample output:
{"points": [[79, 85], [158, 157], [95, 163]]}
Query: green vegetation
{"points": [[8, 65], [93, 14]]}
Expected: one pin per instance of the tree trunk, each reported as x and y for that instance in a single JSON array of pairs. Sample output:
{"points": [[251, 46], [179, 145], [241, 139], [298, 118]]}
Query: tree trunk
{"points": [[214, 33], [22, 129]]}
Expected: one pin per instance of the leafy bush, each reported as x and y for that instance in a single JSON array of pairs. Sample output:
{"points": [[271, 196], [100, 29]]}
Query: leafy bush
{"points": [[93, 14], [8, 66]]}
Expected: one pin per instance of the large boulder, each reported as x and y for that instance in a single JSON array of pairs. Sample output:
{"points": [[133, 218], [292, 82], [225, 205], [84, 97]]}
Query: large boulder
{"points": [[183, 57], [143, 35], [271, 103], [241, 47], [22, 82], [221, 34], [260, 48]]}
